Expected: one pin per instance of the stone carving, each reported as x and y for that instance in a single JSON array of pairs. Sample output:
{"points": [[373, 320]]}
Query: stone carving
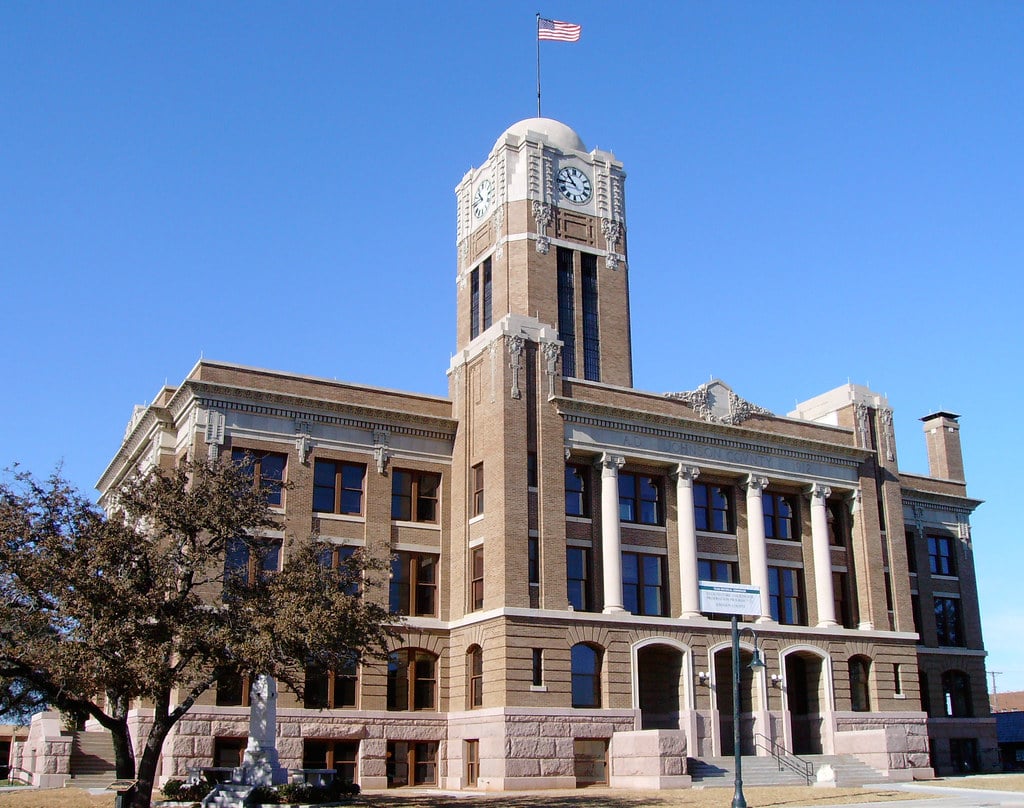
{"points": [[610, 464], [819, 491], [686, 473], [755, 483], [499, 223], [715, 402], [861, 412], [303, 441], [381, 449], [885, 414], [516, 344], [552, 352], [260, 765], [612, 231], [214, 433], [919, 517], [542, 215]]}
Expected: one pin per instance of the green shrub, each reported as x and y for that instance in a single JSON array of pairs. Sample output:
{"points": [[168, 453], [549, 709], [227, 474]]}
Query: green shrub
{"points": [[172, 789], [265, 795]]}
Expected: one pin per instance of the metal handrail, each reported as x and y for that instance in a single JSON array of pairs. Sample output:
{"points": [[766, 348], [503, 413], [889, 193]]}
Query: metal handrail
{"points": [[23, 775], [785, 758]]}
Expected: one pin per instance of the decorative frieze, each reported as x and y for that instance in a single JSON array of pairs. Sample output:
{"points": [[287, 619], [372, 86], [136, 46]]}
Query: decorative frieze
{"points": [[715, 402], [516, 345]]}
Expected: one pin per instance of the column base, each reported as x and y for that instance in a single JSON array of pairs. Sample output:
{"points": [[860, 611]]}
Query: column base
{"points": [[827, 624], [613, 610]]}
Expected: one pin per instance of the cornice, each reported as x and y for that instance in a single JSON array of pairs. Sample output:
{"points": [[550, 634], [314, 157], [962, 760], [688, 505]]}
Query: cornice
{"points": [[712, 434], [132, 444], [939, 502]]}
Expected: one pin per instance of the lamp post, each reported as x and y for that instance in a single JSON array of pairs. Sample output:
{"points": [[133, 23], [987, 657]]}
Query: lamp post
{"points": [[738, 801]]}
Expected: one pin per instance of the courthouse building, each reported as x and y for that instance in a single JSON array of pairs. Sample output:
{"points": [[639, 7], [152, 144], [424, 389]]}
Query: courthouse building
{"points": [[547, 525]]}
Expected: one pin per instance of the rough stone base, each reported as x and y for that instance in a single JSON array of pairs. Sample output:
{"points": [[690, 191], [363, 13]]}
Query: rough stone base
{"points": [[648, 759]]}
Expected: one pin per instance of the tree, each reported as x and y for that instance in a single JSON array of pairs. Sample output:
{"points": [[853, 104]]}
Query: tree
{"points": [[102, 610]]}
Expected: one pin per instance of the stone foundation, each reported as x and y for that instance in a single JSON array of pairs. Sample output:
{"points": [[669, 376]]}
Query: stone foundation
{"points": [[648, 759]]}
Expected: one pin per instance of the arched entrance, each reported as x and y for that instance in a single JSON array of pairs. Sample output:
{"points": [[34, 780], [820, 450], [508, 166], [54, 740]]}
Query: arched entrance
{"points": [[724, 702], [659, 686], [807, 700]]}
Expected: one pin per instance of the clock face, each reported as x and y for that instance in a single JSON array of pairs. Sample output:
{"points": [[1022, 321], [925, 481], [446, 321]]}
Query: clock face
{"points": [[482, 198], [574, 185]]}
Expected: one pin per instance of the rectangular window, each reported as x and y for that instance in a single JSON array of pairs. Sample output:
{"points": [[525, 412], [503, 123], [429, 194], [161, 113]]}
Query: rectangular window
{"points": [[334, 556], [643, 584], [949, 622], [533, 570], [338, 755], [713, 508], [911, 550], [897, 679], [471, 754], [538, 667], [414, 496], [577, 491], [591, 336], [331, 690], [475, 658], [785, 593], [267, 470], [640, 499], [843, 600], [531, 469], [838, 524], [233, 691], [915, 608], [477, 586], [338, 487], [474, 304], [413, 585], [227, 752], [478, 489], [253, 559], [941, 555], [411, 763], [567, 312], [780, 520], [577, 574], [488, 295]]}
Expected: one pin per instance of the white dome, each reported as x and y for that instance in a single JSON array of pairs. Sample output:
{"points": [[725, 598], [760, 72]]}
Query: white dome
{"points": [[553, 132]]}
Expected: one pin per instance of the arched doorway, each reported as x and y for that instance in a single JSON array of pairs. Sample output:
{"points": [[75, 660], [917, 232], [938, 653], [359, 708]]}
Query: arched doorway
{"points": [[659, 686], [806, 699], [724, 702]]}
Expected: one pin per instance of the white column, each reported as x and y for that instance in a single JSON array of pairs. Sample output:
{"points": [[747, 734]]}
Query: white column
{"points": [[757, 550], [689, 596], [822, 556], [611, 533]]}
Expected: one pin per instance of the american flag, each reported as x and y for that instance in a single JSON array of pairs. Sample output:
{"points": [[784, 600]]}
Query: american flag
{"points": [[558, 30]]}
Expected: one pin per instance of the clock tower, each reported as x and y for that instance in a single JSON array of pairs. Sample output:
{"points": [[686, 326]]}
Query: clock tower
{"points": [[541, 234]]}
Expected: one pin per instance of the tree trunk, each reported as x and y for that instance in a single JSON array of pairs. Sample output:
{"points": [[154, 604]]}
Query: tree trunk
{"points": [[124, 754], [146, 775]]}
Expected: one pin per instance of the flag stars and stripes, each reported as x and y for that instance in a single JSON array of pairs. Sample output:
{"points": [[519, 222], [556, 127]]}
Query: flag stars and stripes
{"points": [[557, 30]]}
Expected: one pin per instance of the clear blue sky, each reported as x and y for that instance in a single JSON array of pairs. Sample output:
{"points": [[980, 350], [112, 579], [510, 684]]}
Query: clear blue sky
{"points": [[818, 192]]}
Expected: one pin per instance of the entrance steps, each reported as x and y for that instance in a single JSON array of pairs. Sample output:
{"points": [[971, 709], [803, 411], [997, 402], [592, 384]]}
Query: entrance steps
{"points": [[764, 771], [92, 760]]}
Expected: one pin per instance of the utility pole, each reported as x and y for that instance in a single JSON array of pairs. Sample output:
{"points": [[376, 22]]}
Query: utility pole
{"points": [[995, 690]]}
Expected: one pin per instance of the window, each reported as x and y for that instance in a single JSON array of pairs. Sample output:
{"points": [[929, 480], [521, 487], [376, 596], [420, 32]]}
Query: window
{"points": [[488, 295], [726, 572], [956, 694], [414, 496], [474, 303], [843, 600], [643, 584], [471, 755], [838, 523], [478, 489], [640, 498], [338, 755], [531, 469], [926, 701], [338, 487], [331, 690], [577, 491], [941, 555], [413, 588], [248, 560], [785, 596], [336, 556], [860, 669], [566, 312], [267, 470], [475, 665], [227, 752], [586, 676], [418, 759], [412, 680], [591, 334], [779, 516], [713, 508], [533, 570], [577, 574], [476, 589], [949, 622], [911, 551], [915, 609], [233, 691], [897, 679], [538, 667]]}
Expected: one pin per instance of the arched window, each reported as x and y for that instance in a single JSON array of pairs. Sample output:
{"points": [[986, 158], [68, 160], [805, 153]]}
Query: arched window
{"points": [[956, 694], [860, 670], [412, 680], [475, 669], [586, 676]]}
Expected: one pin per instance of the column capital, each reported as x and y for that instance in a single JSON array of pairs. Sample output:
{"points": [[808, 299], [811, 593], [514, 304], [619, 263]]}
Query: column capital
{"points": [[818, 491], [685, 474], [610, 463], [755, 483]]}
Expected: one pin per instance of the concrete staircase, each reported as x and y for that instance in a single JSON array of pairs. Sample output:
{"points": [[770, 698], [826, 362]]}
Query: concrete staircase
{"points": [[92, 760], [764, 771]]}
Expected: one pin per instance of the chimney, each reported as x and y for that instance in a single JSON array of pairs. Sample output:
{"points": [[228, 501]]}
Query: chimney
{"points": [[942, 437]]}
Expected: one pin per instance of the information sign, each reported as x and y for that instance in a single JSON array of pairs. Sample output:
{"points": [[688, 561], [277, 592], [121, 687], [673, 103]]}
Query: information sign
{"points": [[721, 598]]}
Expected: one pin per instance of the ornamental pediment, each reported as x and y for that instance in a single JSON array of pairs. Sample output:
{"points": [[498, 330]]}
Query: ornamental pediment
{"points": [[716, 403]]}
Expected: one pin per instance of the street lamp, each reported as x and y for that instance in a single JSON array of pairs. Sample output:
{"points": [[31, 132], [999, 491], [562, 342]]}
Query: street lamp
{"points": [[738, 800]]}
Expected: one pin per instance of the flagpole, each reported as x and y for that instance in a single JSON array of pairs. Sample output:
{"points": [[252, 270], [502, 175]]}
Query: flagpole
{"points": [[537, 37]]}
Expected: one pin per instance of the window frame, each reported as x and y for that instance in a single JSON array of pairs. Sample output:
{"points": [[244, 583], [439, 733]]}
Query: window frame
{"points": [[410, 582], [251, 461], [637, 499], [859, 668], [416, 498], [949, 622], [942, 555], [639, 588], [476, 588], [477, 475], [584, 583], [703, 502], [332, 758], [337, 684], [580, 677], [474, 677], [408, 676], [774, 521], [338, 488], [783, 603], [581, 495], [253, 566]]}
